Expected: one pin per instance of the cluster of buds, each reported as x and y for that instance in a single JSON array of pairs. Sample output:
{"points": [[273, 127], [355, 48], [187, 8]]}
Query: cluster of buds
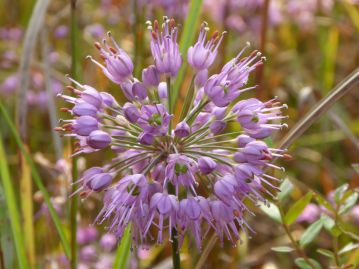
{"points": [[191, 175]]}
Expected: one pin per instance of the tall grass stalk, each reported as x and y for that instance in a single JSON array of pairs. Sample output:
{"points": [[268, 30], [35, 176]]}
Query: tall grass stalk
{"points": [[12, 209], [74, 74]]}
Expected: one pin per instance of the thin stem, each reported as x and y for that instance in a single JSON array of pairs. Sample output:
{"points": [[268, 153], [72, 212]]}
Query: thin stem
{"points": [[169, 96], [74, 200], [292, 240], [335, 240], [188, 99], [176, 261], [175, 251]]}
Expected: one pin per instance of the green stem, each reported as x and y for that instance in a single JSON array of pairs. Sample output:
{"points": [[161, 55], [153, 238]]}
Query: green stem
{"points": [[169, 96], [74, 202], [176, 261], [298, 249], [175, 251]]}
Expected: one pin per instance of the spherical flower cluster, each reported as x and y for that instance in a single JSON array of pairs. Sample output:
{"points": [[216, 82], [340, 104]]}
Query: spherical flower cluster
{"points": [[189, 175]]}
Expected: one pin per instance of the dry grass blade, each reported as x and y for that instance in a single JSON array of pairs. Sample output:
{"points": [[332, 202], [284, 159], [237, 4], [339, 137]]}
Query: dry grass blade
{"points": [[212, 241], [319, 109], [31, 34]]}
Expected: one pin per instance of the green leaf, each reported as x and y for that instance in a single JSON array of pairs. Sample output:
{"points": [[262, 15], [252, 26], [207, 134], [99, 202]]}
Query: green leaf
{"points": [[322, 201], [326, 253], [297, 208], [340, 192], [188, 34], [311, 232], [348, 203], [303, 264], [38, 182], [282, 249], [272, 211], [348, 247], [285, 189], [12, 209], [328, 222], [123, 250]]}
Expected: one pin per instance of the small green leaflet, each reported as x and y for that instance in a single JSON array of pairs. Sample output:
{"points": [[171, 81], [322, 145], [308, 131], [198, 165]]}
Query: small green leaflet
{"points": [[272, 211], [311, 232], [282, 249], [294, 212]]}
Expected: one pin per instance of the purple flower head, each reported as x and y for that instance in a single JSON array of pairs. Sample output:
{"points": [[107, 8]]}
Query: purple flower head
{"points": [[88, 254], [108, 241], [84, 125], [150, 76], [180, 170], [162, 90], [131, 112], [164, 47], [256, 116], [167, 207], [217, 126], [99, 182], [9, 85], [154, 119], [202, 54], [146, 138], [98, 139], [201, 78], [206, 165], [84, 109], [243, 140], [118, 65], [186, 173], [109, 100], [86, 235], [182, 129], [95, 30], [310, 214], [61, 31], [226, 86]]}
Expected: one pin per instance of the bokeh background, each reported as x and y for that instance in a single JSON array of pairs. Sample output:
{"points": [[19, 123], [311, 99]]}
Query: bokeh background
{"points": [[310, 46]]}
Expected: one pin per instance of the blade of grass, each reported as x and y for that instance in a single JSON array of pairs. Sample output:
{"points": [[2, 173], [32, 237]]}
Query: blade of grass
{"points": [[188, 34], [353, 13], [12, 209], [30, 38], [27, 210], [7, 258], [74, 73], [37, 179], [123, 251], [320, 108]]}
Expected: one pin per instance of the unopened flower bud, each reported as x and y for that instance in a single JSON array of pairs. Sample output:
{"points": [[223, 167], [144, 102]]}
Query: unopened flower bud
{"points": [[99, 182], [182, 129], [150, 76], [98, 139], [131, 112], [206, 165], [84, 125]]}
